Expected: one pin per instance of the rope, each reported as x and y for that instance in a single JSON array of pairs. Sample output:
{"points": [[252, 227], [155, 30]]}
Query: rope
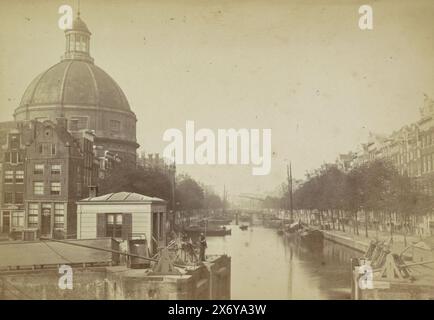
{"points": [[10, 284], [56, 252]]}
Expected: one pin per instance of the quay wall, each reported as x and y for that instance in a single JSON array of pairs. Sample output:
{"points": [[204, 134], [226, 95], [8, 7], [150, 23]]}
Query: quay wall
{"points": [[389, 290], [43, 284], [358, 245], [220, 278], [210, 280], [131, 285]]}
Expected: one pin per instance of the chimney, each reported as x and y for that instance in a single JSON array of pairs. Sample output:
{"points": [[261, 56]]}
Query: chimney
{"points": [[93, 191]]}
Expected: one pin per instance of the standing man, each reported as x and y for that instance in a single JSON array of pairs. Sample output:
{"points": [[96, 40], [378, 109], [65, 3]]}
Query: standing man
{"points": [[203, 246]]}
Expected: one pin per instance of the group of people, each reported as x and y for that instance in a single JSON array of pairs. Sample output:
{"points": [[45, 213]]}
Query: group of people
{"points": [[188, 245]]}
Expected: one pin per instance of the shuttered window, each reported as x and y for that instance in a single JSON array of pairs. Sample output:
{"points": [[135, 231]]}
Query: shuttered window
{"points": [[101, 225], [127, 226]]}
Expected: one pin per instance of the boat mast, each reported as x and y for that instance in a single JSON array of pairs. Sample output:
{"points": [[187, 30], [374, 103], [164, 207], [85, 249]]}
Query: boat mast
{"points": [[289, 177], [224, 199]]}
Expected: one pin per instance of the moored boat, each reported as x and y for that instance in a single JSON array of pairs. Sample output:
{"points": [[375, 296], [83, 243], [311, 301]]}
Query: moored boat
{"points": [[195, 230], [219, 221], [312, 238]]}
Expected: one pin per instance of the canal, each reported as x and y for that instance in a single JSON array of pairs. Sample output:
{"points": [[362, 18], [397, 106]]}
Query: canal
{"points": [[266, 265]]}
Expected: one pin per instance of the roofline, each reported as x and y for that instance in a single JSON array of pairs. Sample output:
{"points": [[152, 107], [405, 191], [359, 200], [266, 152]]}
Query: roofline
{"points": [[121, 202], [129, 142], [49, 106]]}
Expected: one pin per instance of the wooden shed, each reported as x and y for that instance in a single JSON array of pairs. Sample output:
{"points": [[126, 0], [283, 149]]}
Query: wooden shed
{"points": [[122, 215]]}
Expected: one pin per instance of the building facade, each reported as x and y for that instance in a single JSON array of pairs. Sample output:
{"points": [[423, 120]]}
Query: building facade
{"points": [[410, 149], [45, 170], [12, 209]]}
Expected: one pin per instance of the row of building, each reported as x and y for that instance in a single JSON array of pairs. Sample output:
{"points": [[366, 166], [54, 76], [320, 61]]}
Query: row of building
{"points": [[410, 149]]}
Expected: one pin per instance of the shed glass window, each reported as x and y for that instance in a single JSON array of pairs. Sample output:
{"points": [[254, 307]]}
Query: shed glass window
{"points": [[114, 225]]}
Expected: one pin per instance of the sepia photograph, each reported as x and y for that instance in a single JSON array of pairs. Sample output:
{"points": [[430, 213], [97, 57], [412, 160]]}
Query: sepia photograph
{"points": [[216, 150]]}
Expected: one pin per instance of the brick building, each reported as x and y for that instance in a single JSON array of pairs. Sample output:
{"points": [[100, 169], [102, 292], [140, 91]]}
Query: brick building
{"points": [[12, 178], [410, 149], [45, 170]]}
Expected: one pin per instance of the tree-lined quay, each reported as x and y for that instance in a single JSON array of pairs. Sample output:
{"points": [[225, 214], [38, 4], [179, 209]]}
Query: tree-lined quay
{"points": [[372, 199]]}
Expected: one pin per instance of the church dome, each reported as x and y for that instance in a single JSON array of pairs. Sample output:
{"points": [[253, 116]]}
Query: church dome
{"points": [[77, 90], [75, 82]]}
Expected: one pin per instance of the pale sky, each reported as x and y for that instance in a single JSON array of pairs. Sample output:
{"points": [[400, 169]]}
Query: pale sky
{"points": [[302, 68]]}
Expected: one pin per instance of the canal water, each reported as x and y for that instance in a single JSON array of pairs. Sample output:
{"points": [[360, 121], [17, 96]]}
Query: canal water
{"points": [[266, 265]]}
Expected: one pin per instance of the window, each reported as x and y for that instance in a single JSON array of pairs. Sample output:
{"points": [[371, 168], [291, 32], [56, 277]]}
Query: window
{"points": [[114, 225], [8, 197], [38, 169], [73, 125], [47, 148], [55, 188], [19, 176], [59, 215], [19, 197], [33, 218], [77, 123], [14, 157], [18, 219], [38, 188], [56, 169], [115, 125], [9, 177], [15, 141]]}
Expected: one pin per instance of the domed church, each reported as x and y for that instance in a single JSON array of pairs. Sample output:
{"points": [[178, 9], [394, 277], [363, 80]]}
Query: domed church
{"points": [[84, 94]]}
